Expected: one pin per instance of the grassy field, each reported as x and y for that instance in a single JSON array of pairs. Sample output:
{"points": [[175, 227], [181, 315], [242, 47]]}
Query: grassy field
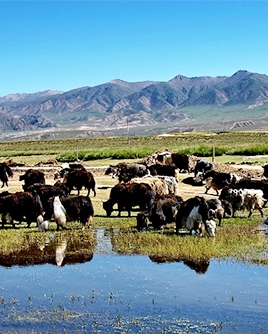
{"points": [[237, 239], [201, 144]]}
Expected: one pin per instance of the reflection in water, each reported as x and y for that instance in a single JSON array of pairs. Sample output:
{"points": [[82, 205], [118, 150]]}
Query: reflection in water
{"points": [[262, 229], [132, 294], [104, 244], [60, 248], [126, 294], [60, 252], [54, 250], [200, 266]]}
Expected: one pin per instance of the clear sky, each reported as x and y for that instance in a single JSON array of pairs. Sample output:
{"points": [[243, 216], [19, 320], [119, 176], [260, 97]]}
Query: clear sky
{"points": [[63, 45]]}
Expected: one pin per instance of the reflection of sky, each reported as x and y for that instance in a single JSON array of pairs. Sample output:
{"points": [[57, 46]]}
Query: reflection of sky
{"points": [[136, 286]]}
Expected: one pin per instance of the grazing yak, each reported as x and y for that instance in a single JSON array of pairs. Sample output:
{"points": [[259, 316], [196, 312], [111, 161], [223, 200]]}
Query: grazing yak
{"points": [[70, 208], [59, 213], [218, 209], [45, 191], [172, 184], [127, 195], [158, 185], [180, 161], [70, 166], [193, 214], [142, 221], [32, 176], [21, 206], [63, 186], [243, 199], [161, 184], [202, 167], [158, 169], [164, 210], [127, 171], [79, 178], [246, 183], [265, 172], [5, 171], [218, 180]]}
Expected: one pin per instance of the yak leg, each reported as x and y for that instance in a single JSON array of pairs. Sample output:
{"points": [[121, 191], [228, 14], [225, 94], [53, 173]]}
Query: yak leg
{"points": [[257, 207], [120, 208], [128, 209], [87, 222], [260, 209]]}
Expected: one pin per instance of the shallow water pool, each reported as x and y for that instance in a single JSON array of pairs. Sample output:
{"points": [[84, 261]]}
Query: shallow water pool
{"points": [[134, 294]]}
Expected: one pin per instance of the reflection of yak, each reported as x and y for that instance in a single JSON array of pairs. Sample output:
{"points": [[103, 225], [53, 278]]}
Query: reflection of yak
{"points": [[200, 266], [46, 254], [5, 171]]}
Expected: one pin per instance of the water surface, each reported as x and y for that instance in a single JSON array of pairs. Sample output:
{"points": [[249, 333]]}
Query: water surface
{"points": [[111, 293]]}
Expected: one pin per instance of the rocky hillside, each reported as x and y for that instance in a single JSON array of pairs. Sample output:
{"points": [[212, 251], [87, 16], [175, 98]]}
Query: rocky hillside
{"points": [[180, 104]]}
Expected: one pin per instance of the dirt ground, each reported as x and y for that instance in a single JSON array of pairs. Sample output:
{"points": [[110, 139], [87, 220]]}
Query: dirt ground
{"points": [[106, 182]]}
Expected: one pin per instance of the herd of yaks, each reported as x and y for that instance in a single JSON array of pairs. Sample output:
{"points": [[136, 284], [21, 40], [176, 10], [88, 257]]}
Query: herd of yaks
{"points": [[152, 185]]}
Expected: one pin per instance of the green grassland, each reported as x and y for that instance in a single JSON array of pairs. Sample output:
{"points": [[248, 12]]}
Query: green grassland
{"points": [[238, 239], [199, 144]]}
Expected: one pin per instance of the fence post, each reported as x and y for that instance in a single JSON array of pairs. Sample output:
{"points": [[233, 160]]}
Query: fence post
{"points": [[213, 154]]}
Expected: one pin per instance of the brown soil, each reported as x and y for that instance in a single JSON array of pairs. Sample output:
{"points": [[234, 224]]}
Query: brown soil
{"points": [[104, 181]]}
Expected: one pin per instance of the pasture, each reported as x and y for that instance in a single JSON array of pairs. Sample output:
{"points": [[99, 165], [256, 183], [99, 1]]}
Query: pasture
{"points": [[111, 280], [238, 238], [100, 150]]}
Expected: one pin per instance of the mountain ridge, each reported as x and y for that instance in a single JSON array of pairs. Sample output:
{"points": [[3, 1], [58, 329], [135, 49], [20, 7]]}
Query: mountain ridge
{"points": [[181, 102]]}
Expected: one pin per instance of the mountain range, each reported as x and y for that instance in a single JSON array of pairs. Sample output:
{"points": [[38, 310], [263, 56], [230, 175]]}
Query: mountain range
{"points": [[118, 107]]}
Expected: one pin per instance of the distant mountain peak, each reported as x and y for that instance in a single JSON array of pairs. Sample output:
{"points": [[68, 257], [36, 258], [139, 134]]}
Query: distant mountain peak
{"points": [[177, 101], [179, 77], [118, 81], [241, 74]]}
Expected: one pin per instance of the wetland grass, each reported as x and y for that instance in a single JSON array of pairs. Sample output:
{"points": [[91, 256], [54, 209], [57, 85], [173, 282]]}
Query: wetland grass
{"points": [[24, 246], [238, 241]]}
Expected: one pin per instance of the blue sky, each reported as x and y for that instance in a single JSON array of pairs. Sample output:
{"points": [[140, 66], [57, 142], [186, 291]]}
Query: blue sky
{"points": [[63, 45]]}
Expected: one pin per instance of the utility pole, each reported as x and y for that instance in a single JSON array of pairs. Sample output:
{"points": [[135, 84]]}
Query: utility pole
{"points": [[223, 124], [128, 138], [213, 153]]}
